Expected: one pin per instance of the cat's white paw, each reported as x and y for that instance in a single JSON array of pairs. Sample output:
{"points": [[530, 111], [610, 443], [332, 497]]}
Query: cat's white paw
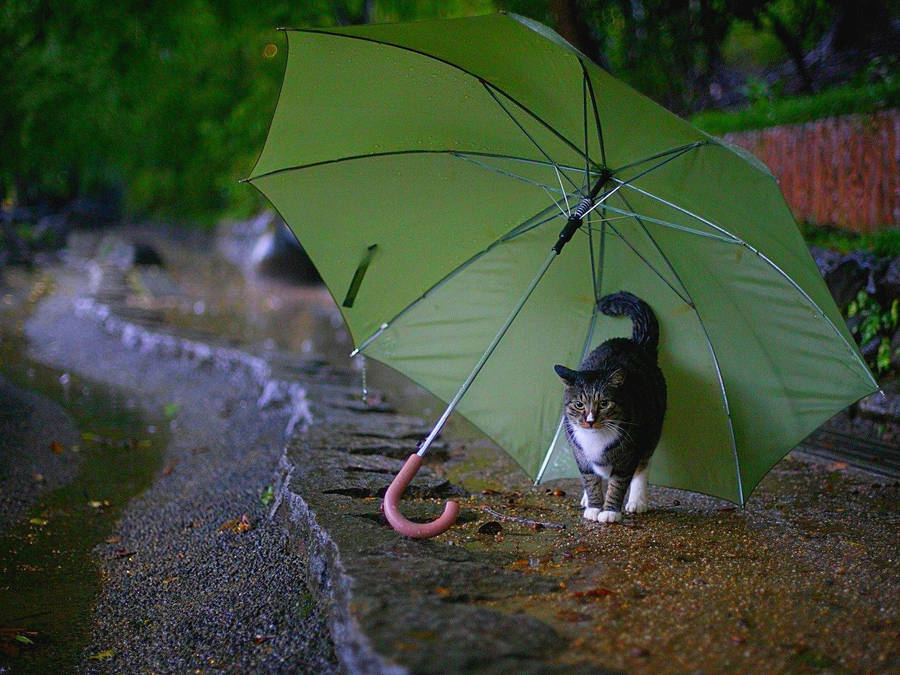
{"points": [[609, 516], [637, 504], [637, 494], [584, 500], [591, 513]]}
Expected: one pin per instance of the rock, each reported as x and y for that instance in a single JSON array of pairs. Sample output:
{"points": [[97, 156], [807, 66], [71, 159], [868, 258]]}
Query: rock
{"points": [[51, 231], [93, 212], [278, 254], [870, 349], [847, 275], [845, 280], [145, 254], [888, 283], [882, 407]]}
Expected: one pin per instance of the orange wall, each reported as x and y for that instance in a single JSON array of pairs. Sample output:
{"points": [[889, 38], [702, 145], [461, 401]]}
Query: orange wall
{"points": [[840, 171]]}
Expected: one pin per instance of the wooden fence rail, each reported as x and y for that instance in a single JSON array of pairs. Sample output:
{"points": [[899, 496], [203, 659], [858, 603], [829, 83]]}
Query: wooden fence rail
{"points": [[840, 171]]}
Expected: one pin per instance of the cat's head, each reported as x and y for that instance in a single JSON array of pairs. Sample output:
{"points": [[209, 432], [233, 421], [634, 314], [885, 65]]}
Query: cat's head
{"points": [[591, 397]]}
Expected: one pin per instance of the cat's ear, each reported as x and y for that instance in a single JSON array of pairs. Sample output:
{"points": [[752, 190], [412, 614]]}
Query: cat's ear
{"points": [[568, 376], [617, 378]]}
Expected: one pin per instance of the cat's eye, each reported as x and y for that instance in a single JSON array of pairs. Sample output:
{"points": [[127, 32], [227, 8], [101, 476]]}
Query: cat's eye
{"points": [[578, 405], [604, 403]]}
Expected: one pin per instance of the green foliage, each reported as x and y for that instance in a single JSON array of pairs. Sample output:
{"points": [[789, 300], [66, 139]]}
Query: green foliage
{"points": [[167, 104], [883, 243], [767, 109], [874, 322]]}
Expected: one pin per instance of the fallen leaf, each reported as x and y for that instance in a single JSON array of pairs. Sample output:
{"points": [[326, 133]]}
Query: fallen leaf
{"points": [[94, 504], [167, 469], [122, 553], [241, 524], [229, 525], [598, 592], [38, 521], [259, 639], [24, 639], [442, 591], [56, 448], [100, 656], [559, 493], [572, 617], [113, 540]]}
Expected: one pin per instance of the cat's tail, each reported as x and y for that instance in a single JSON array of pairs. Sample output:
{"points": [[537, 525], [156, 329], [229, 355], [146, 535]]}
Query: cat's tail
{"points": [[623, 303]]}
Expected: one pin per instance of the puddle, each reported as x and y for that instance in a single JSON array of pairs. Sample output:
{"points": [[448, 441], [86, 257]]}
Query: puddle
{"points": [[50, 574]]}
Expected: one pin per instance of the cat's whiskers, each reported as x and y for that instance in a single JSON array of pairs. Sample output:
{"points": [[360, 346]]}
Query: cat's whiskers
{"points": [[618, 427]]}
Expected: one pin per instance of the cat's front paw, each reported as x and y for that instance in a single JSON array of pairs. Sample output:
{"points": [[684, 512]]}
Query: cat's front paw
{"points": [[601, 516], [637, 505], [609, 516]]}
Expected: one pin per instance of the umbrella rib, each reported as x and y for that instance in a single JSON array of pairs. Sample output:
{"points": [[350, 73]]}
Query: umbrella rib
{"points": [[653, 269], [587, 162], [762, 256], [628, 182], [395, 153], [527, 225], [509, 174], [676, 150], [490, 90], [488, 85], [562, 419], [590, 88], [670, 225], [709, 345], [562, 189]]}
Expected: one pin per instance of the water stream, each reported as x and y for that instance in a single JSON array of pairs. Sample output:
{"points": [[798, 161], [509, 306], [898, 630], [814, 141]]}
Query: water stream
{"points": [[47, 557]]}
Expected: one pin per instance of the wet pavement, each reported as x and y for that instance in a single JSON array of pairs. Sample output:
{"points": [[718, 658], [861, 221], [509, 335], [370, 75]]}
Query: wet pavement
{"points": [[257, 542], [804, 579]]}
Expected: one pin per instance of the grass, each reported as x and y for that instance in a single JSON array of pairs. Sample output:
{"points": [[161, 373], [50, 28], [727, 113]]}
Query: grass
{"points": [[766, 111], [884, 243]]}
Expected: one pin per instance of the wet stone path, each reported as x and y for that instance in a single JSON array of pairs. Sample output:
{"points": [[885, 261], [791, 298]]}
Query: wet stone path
{"points": [[258, 545]]}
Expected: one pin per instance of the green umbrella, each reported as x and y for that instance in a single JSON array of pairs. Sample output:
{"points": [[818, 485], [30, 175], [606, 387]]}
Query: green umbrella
{"points": [[434, 172]]}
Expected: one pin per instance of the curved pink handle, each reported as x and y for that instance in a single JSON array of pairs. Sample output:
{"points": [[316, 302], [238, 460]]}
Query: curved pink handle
{"points": [[396, 519]]}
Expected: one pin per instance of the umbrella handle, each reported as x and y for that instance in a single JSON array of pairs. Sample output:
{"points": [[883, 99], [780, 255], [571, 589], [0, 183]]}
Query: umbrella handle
{"points": [[398, 521]]}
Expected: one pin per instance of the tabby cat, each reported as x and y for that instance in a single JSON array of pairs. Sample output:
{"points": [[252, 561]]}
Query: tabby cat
{"points": [[614, 408]]}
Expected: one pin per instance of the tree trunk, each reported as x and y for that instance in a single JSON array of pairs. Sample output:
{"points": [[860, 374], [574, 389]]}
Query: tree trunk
{"points": [[794, 49], [572, 25]]}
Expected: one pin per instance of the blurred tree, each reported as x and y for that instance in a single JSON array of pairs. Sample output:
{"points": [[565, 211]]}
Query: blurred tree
{"points": [[166, 103], [169, 103]]}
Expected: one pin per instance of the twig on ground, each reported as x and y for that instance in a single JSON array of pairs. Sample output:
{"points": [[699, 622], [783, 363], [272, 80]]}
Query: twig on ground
{"points": [[526, 521]]}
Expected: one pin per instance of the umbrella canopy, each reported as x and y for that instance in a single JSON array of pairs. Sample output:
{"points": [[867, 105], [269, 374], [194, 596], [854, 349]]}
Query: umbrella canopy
{"points": [[429, 168]]}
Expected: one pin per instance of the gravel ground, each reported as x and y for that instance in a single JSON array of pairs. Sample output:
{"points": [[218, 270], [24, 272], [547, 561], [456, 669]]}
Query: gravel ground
{"points": [[196, 576], [32, 427]]}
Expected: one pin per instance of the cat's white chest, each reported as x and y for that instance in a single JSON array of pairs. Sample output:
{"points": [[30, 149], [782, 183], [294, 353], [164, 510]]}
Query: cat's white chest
{"points": [[594, 442]]}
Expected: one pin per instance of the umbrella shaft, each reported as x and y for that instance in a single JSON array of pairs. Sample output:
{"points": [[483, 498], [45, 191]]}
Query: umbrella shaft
{"points": [[439, 425]]}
